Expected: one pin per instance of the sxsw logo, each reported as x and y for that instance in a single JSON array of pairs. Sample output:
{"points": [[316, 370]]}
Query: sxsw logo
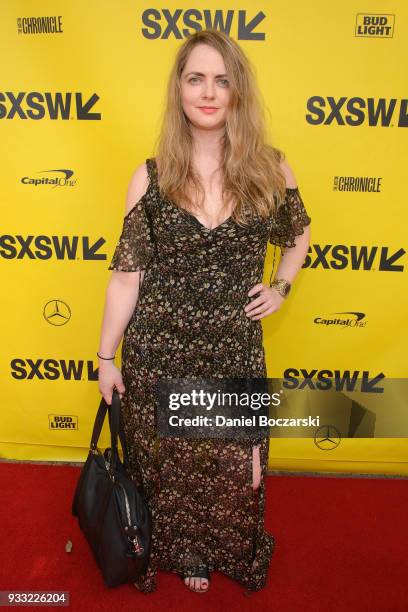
{"points": [[53, 369], [50, 105], [344, 257], [354, 111], [374, 26], [328, 380], [163, 23], [51, 247]]}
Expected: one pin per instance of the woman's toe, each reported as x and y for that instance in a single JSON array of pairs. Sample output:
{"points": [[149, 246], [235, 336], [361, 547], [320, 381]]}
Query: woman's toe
{"points": [[196, 583]]}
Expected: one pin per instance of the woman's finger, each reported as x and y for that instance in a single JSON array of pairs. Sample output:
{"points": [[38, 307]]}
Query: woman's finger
{"points": [[266, 313], [260, 309], [271, 303], [256, 302]]}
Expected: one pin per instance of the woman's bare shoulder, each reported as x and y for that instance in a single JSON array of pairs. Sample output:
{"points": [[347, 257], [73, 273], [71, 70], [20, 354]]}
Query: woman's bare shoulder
{"points": [[138, 185], [289, 174]]}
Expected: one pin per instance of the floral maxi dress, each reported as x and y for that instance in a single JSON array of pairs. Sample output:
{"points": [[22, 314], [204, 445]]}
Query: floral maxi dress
{"points": [[189, 322]]}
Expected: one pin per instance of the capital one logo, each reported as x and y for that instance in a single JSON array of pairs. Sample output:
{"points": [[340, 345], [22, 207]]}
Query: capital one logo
{"points": [[382, 112], [163, 23]]}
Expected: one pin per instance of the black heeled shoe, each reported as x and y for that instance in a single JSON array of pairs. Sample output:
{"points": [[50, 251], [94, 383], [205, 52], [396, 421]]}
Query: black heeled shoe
{"points": [[199, 572]]}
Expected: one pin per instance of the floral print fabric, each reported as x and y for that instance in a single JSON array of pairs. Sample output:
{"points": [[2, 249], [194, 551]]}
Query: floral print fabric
{"points": [[189, 322]]}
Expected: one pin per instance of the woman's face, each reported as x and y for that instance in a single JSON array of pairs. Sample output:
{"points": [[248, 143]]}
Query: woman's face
{"points": [[205, 84]]}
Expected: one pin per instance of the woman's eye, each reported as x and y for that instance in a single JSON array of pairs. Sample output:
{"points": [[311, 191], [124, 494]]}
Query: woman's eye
{"points": [[224, 82]]}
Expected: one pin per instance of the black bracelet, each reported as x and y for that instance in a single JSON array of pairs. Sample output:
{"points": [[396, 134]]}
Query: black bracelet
{"points": [[100, 356]]}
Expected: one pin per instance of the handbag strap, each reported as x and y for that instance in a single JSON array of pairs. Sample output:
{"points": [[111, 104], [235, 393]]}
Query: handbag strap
{"points": [[116, 425]]}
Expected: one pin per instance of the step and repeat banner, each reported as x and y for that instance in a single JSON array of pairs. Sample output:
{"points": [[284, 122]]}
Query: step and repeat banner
{"points": [[81, 102]]}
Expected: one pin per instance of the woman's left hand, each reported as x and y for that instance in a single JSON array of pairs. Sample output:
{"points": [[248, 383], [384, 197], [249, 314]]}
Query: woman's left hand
{"points": [[269, 300]]}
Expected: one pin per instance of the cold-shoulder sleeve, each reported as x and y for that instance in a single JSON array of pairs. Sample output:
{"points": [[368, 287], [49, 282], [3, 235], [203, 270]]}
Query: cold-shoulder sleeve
{"points": [[290, 220], [135, 248]]}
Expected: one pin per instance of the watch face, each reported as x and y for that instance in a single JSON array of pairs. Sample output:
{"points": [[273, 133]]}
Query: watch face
{"points": [[286, 290]]}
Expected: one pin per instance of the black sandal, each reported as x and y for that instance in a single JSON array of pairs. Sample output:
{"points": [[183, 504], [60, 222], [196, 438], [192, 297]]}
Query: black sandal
{"points": [[199, 572]]}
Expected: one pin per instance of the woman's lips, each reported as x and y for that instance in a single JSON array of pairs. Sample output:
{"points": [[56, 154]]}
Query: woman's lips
{"points": [[207, 109]]}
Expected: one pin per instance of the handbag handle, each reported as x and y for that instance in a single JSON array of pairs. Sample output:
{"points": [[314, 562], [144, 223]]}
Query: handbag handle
{"points": [[116, 428]]}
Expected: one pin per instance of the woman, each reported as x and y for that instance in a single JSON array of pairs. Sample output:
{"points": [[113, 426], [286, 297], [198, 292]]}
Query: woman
{"points": [[187, 295]]}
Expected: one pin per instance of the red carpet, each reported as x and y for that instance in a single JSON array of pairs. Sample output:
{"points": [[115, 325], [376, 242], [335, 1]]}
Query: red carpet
{"points": [[342, 544]]}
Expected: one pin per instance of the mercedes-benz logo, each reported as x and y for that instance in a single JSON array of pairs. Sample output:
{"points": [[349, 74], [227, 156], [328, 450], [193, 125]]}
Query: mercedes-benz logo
{"points": [[57, 312], [327, 437]]}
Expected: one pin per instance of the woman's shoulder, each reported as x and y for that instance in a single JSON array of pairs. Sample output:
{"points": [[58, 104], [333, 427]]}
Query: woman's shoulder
{"points": [[138, 185], [287, 170]]}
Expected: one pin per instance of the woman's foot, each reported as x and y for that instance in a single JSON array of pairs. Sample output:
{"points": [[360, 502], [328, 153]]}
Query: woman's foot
{"points": [[198, 585], [200, 582]]}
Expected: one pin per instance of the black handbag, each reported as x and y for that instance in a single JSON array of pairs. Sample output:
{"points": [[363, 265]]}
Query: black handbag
{"points": [[111, 509]]}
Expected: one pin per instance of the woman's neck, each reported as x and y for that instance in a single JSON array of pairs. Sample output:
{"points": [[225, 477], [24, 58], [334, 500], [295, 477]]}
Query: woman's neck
{"points": [[207, 145]]}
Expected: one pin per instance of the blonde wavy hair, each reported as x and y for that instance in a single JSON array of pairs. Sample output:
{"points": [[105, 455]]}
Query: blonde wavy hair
{"points": [[251, 174]]}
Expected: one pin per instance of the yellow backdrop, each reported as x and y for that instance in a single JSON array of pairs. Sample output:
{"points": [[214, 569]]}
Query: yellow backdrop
{"points": [[82, 95]]}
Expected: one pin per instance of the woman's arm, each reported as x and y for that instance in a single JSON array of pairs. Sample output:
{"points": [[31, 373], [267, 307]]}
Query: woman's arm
{"points": [[291, 261], [293, 258], [122, 292], [121, 297]]}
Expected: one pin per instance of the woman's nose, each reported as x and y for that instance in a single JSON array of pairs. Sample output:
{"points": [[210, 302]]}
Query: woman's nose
{"points": [[209, 89]]}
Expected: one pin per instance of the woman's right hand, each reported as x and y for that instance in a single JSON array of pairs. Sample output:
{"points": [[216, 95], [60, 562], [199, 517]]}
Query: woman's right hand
{"points": [[110, 377]]}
